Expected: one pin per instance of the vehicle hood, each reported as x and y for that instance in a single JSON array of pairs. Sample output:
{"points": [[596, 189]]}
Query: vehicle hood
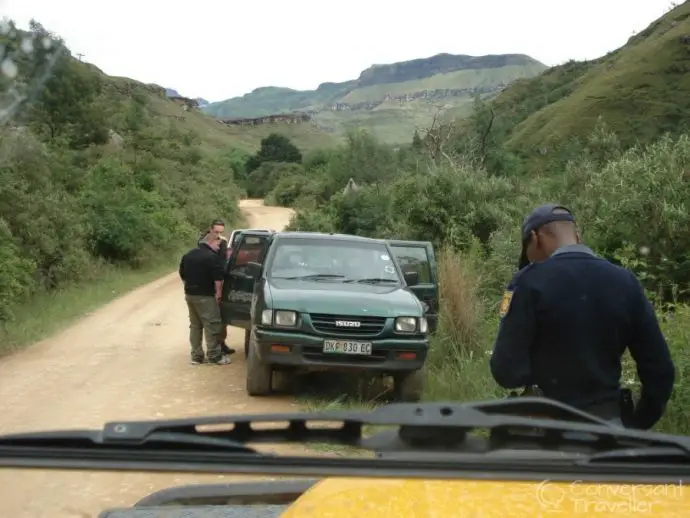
{"points": [[348, 497], [338, 298]]}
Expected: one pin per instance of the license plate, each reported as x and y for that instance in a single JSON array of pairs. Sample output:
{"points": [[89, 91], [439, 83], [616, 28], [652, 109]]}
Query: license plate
{"points": [[346, 347]]}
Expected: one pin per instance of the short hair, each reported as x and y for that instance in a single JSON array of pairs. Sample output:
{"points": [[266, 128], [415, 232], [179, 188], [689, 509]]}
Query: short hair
{"points": [[218, 222], [557, 227]]}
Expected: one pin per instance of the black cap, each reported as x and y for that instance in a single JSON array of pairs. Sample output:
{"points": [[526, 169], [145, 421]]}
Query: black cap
{"points": [[539, 217]]}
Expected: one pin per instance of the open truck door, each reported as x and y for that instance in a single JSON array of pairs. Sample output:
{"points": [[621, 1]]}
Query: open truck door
{"points": [[418, 258], [241, 273]]}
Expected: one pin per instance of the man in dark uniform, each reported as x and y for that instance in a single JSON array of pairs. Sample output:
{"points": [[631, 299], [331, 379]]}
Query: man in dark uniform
{"points": [[568, 316], [218, 228], [202, 274]]}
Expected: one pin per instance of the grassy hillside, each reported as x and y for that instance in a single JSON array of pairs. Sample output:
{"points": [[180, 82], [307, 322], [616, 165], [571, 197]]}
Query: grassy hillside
{"points": [[216, 136], [640, 90], [391, 122], [390, 100]]}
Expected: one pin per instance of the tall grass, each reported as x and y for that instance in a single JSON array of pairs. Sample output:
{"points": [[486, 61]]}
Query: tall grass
{"points": [[459, 353]]}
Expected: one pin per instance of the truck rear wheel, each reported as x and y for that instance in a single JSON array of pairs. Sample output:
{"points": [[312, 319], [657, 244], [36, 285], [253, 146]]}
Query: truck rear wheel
{"points": [[259, 375], [409, 387]]}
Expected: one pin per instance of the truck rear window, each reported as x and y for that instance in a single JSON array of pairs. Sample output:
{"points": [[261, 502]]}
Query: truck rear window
{"points": [[413, 259]]}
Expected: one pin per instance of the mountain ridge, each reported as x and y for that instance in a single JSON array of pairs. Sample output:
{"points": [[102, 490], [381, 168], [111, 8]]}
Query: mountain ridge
{"points": [[377, 74], [391, 100]]}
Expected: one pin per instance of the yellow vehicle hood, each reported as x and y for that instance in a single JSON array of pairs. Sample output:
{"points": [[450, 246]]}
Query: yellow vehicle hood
{"points": [[383, 498]]}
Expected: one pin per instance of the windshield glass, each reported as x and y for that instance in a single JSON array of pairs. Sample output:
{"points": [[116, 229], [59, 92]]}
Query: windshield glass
{"points": [[130, 130], [332, 258]]}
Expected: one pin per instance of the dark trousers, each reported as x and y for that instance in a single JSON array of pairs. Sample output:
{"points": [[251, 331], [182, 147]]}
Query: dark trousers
{"points": [[204, 318]]}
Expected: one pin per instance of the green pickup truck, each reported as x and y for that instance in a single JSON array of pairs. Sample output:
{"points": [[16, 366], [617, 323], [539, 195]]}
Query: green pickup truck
{"points": [[311, 301]]}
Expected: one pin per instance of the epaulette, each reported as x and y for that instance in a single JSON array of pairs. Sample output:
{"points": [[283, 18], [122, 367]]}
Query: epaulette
{"points": [[510, 289]]}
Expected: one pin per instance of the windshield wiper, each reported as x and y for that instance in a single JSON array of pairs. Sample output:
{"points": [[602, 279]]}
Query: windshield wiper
{"points": [[130, 436], [372, 280], [429, 440], [314, 276], [647, 455]]}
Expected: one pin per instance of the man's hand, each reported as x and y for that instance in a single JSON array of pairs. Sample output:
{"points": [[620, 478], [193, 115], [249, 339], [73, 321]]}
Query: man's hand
{"points": [[219, 291]]}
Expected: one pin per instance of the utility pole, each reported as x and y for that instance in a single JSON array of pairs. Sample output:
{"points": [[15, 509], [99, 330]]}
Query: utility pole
{"points": [[80, 56]]}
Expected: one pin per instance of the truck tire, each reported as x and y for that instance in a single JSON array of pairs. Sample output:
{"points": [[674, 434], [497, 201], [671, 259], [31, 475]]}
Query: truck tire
{"points": [[409, 387], [247, 335], [259, 375]]}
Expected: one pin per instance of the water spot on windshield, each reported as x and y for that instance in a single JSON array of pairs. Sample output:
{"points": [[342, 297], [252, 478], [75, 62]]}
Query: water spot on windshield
{"points": [[5, 27], [8, 68], [27, 46]]}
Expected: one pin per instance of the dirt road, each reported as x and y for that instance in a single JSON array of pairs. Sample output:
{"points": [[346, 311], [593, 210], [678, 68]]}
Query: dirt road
{"points": [[128, 360]]}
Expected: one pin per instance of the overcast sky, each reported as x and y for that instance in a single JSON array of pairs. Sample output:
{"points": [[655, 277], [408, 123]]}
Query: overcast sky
{"points": [[218, 49]]}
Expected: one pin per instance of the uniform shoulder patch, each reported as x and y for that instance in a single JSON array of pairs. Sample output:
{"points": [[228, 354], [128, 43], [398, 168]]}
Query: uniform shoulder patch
{"points": [[505, 302]]}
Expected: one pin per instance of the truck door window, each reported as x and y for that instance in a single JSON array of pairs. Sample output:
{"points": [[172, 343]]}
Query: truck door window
{"points": [[248, 251], [413, 259]]}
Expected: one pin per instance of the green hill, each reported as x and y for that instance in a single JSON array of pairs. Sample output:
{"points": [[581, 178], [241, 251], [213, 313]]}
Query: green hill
{"points": [[391, 100], [640, 90]]}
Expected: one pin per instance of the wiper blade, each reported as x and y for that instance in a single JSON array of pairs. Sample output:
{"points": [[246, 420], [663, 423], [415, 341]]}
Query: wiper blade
{"points": [[373, 280], [642, 455], [314, 276], [117, 437], [411, 445]]}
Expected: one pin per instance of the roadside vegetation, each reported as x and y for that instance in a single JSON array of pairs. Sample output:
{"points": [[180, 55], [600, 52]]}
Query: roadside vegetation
{"points": [[463, 187], [631, 205], [99, 190]]}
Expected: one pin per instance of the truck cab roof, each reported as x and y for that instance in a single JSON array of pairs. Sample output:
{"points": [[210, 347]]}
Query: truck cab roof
{"points": [[323, 235]]}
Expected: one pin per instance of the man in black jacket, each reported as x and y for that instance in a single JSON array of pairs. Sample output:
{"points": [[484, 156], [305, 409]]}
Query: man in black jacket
{"points": [[568, 316], [218, 229], [202, 274]]}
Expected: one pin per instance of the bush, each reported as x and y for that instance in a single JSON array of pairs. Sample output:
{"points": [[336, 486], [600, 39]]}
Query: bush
{"points": [[677, 331], [274, 148], [262, 180]]}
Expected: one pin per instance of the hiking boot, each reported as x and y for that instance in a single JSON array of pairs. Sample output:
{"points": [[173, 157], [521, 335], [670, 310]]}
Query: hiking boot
{"points": [[224, 360]]}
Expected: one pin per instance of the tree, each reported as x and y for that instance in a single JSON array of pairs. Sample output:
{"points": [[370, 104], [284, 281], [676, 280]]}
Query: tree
{"points": [[274, 148], [67, 105]]}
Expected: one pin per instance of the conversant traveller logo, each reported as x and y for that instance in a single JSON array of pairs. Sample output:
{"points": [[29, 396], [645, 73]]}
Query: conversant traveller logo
{"points": [[581, 497]]}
